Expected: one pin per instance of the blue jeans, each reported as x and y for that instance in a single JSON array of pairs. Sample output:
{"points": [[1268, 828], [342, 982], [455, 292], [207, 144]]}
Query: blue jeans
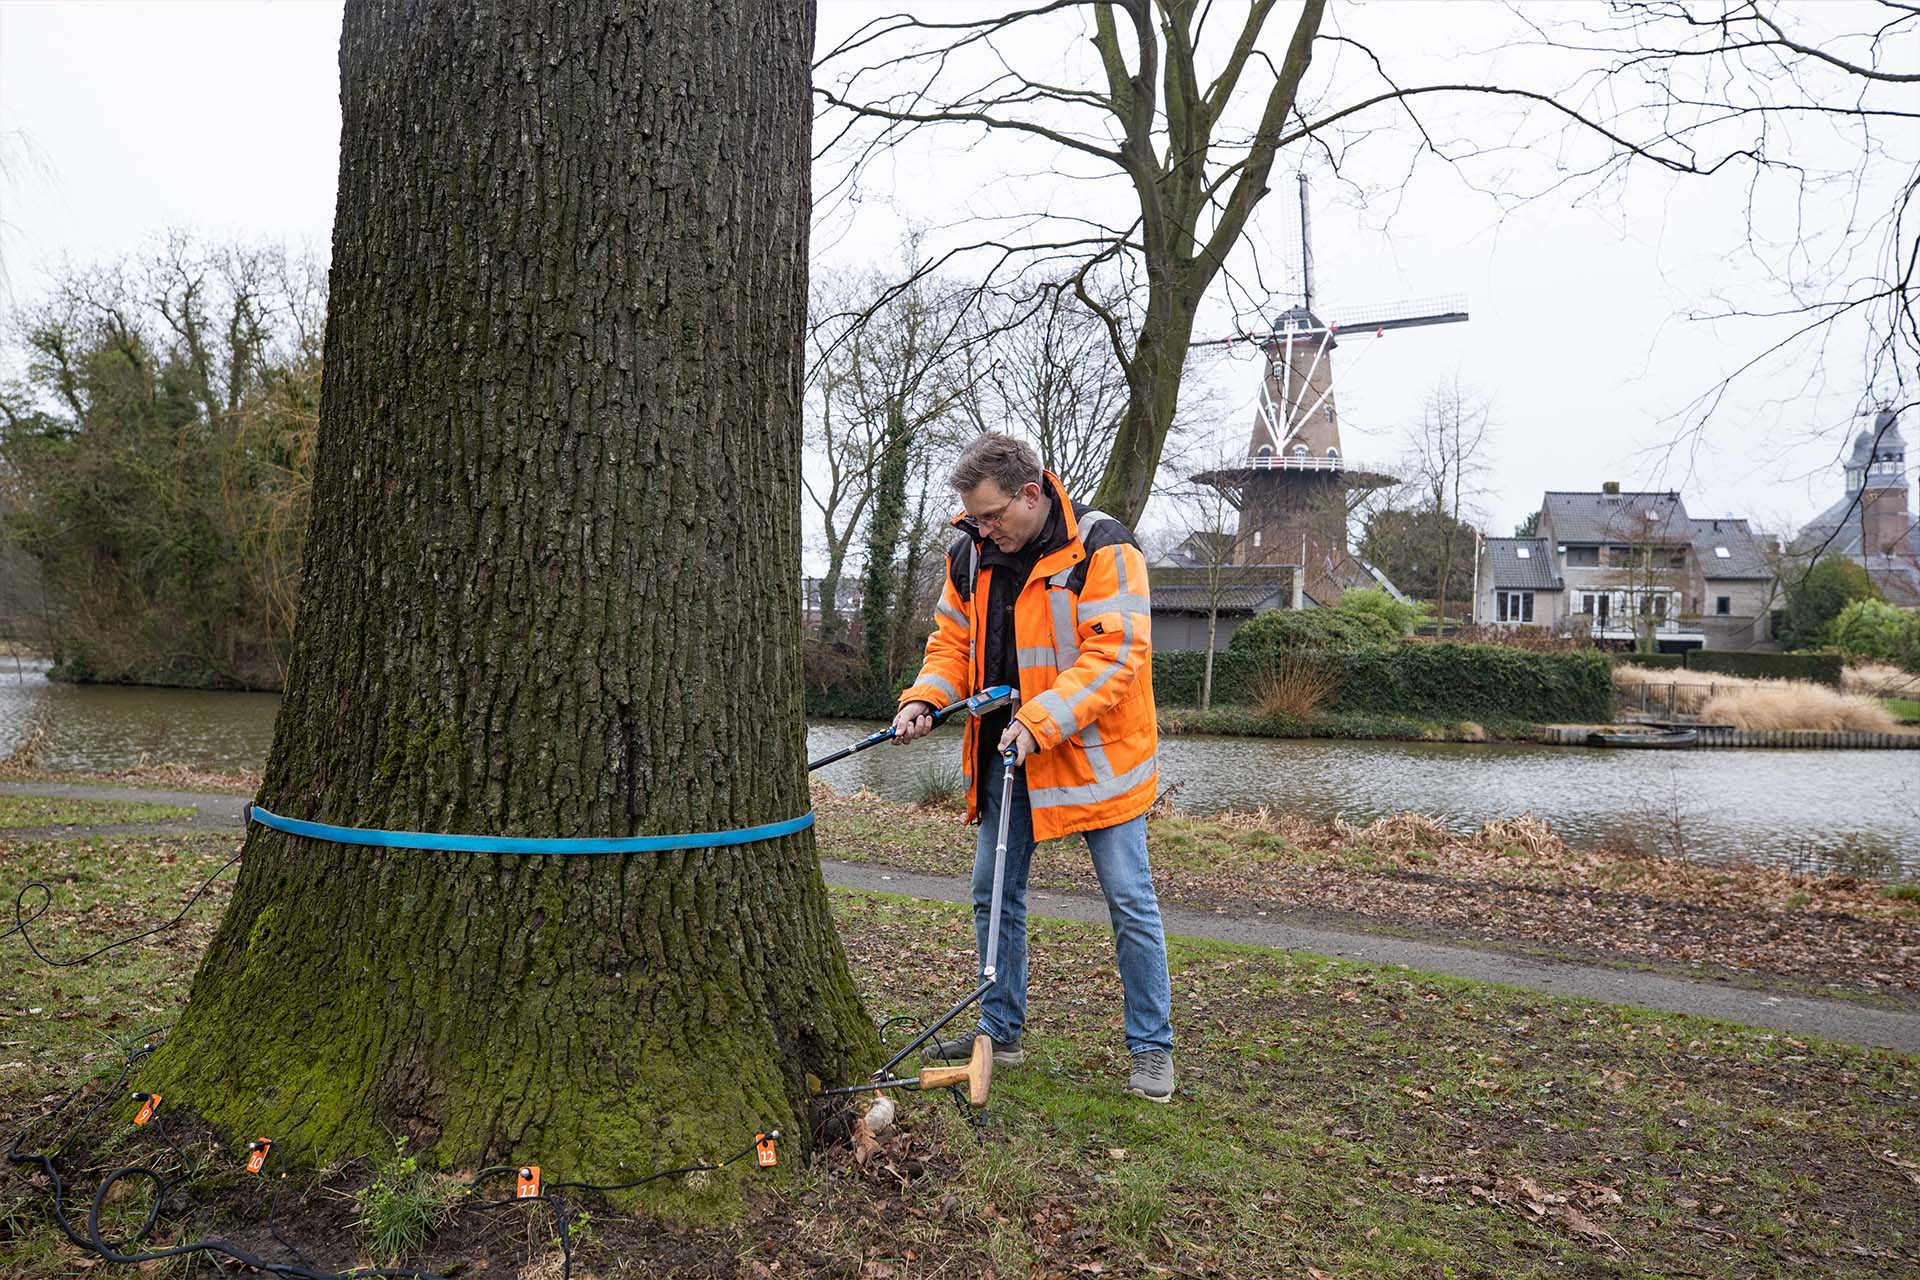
{"points": [[1120, 861]]}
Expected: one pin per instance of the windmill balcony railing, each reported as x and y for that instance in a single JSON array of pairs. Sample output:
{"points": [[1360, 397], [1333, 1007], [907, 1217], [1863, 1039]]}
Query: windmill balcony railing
{"points": [[1297, 462]]}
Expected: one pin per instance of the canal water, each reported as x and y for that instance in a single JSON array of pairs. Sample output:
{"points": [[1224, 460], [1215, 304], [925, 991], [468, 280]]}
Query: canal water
{"points": [[1851, 811]]}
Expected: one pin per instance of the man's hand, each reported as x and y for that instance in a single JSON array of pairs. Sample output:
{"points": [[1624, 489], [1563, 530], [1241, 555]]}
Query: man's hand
{"points": [[1020, 738], [914, 721]]}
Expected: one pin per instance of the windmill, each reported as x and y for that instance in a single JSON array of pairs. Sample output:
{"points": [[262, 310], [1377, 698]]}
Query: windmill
{"points": [[1293, 488]]}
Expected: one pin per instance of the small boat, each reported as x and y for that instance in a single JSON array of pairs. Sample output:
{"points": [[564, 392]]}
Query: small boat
{"points": [[1657, 738]]}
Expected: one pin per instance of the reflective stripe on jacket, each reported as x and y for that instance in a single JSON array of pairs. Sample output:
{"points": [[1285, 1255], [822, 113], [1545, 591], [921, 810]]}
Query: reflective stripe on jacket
{"points": [[1084, 635]]}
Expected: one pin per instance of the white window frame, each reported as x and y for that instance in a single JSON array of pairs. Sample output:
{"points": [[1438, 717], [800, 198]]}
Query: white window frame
{"points": [[1513, 608]]}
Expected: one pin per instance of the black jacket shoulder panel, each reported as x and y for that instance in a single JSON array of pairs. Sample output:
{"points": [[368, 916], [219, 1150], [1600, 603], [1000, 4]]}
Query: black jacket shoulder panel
{"points": [[960, 566], [1103, 533]]}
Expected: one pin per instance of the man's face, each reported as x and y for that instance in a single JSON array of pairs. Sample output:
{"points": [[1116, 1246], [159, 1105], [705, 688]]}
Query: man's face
{"points": [[1010, 521]]}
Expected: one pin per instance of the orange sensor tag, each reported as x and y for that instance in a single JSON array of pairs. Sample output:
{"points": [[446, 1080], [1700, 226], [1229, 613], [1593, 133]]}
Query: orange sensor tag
{"points": [[258, 1159], [769, 1157], [527, 1186], [147, 1108]]}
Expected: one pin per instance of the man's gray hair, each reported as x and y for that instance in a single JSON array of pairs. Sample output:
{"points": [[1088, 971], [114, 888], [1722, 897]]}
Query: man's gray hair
{"points": [[1008, 461]]}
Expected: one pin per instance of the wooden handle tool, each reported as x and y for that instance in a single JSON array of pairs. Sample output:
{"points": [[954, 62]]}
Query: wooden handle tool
{"points": [[978, 1073]]}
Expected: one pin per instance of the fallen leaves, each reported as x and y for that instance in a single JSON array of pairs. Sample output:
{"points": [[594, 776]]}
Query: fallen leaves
{"points": [[1514, 881]]}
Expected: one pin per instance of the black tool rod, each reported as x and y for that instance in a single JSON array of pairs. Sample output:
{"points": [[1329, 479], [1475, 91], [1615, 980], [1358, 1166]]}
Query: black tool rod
{"points": [[929, 1033], [868, 1087]]}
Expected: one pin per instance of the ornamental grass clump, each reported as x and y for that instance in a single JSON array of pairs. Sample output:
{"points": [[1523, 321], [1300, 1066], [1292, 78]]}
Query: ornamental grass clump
{"points": [[1793, 705], [1880, 680], [1298, 685]]}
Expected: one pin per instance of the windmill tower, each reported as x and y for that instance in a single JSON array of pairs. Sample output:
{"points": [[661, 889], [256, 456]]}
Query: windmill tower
{"points": [[1294, 488]]}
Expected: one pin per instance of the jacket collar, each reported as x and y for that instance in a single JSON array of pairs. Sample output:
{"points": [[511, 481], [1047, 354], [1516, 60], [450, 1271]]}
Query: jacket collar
{"points": [[1054, 561]]}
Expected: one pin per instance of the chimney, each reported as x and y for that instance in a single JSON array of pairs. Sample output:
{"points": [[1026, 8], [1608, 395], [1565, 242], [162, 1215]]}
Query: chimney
{"points": [[1611, 487]]}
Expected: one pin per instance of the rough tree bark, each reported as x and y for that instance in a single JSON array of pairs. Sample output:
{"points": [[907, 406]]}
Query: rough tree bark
{"points": [[551, 590]]}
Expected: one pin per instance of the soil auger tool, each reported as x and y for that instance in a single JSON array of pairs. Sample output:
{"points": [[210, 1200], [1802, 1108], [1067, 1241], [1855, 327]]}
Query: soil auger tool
{"points": [[978, 1073], [979, 704]]}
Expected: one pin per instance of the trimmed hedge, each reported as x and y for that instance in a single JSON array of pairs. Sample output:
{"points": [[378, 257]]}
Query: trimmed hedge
{"points": [[1312, 629], [1824, 668], [1662, 661], [1177, 677], [1426, 681]]}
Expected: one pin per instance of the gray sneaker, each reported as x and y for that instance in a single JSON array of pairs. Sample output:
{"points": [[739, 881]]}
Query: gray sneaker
{"points": [[1006, 1053], [1152, 1076]]}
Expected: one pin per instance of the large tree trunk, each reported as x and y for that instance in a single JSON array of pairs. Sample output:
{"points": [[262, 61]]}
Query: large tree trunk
{"points": [[1153, 379], [551, 590]]}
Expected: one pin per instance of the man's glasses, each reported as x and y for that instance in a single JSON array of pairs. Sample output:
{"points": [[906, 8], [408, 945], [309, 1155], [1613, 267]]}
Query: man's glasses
{"points": [[994, 518]]}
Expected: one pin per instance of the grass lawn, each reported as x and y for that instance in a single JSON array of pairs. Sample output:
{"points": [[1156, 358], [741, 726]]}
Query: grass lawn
{"points": [[1905, 710], [1332, 1120], [51, 811]]}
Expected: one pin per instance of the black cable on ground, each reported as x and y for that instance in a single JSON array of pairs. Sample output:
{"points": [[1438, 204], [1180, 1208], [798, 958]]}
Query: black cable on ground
{"points": [[273, 1202], [702, 1167], [21, 920], [93, 1242]]}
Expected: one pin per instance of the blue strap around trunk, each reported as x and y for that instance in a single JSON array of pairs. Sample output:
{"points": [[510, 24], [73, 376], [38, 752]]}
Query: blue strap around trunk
{"points": [[519, 844]]}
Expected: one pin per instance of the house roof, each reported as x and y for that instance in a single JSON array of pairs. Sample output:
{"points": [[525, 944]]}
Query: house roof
{"points": [[1240, 588], [1535, 569], [1617, 517], [1746, 558], [1233, 600], [1898, 578]]}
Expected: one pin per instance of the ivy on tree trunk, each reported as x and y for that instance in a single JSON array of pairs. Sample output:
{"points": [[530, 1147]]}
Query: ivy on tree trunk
{"points": [[551, 589]]}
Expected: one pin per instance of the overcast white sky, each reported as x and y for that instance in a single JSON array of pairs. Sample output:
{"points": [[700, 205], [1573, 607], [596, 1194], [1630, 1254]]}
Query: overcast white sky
{"points": [[224, 117]]}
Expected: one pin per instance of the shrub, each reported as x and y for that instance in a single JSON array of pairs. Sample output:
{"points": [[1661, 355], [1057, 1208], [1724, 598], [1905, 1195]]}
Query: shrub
{"points": [[1877, 630], [1659, 661], [1279, 629], [1795, 705], [1377, 602], [1822, 668], [1815, 598]]}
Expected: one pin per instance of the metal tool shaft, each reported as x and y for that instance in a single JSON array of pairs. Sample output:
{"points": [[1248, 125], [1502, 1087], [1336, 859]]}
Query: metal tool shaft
{"points": [[989, 968], [979, 704]]}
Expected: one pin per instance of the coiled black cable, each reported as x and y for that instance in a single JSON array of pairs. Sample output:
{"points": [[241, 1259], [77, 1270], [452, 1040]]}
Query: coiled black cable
{"points": [[21, 920]]}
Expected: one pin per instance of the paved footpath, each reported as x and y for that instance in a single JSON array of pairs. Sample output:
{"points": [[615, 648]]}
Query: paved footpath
{"points": [[1836, 1020]]}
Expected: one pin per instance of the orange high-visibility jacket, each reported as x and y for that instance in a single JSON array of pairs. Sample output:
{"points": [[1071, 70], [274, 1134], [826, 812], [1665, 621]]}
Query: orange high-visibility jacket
{"points": [[1084, 635]]}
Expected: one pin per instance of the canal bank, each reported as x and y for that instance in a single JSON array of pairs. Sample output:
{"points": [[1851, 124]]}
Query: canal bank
{"points": [[1852, 812]]}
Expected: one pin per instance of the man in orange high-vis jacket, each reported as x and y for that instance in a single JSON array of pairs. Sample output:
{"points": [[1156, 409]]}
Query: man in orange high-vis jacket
{"points": [[1051, 597]]}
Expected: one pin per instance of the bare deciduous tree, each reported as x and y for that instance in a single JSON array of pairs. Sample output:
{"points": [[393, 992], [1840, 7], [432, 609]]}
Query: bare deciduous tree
{"points": [[1190, 122], [1445, 467], [1047, 372]]}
